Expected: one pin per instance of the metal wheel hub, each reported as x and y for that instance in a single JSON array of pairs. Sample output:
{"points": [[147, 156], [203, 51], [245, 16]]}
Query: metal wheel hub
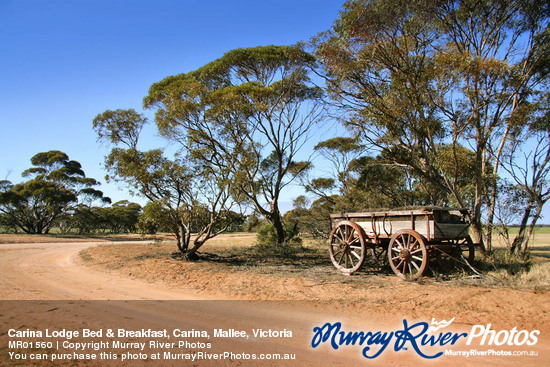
{"points": [[405, 254]]}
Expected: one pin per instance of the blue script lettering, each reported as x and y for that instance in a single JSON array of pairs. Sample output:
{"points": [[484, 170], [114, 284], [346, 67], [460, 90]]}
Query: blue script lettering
{"points": [[415, 335], [339, 338], [405, 335]]}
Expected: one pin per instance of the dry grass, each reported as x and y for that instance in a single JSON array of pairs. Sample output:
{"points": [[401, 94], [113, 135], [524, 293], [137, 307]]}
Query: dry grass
{"points": [[537, 276], [517, 276]]}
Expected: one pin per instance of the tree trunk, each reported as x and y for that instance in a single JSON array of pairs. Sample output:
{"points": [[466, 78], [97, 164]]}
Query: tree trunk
{"points": [[489, 235], [477, 229], [177, 234], [490, 219], [277, 222], [536, 217], [192, 253], [182, 238], [518, 240], [477, 233]]}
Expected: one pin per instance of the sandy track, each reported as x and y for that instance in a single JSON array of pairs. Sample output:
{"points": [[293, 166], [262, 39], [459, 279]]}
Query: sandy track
{"points": [[53, 272]]}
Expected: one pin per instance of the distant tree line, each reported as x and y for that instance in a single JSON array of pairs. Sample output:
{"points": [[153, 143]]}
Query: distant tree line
{"points": [[58, 195]]}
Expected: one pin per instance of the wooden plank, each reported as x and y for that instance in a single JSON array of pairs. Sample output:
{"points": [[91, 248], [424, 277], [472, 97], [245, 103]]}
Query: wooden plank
{"points": [[386, 230], [451, 230], [392, 213], [379, 214]]}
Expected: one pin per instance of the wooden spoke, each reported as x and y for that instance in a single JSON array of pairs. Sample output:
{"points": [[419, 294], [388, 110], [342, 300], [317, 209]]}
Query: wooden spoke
{"points": [[356, 255], [399, 244], [347, 239], [400, 263], [342, 257], [405, 262]]}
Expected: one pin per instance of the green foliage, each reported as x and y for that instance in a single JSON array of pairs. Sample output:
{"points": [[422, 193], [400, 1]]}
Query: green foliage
{"points": [[419, 81], [36, 205], [187, 194], [119, 127], [252, 223], [267, 236], [121, 217], [155, 218], [248, 113]]}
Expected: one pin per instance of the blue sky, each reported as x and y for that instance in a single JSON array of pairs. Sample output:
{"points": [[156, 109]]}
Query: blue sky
{"points": [[64, 62]]}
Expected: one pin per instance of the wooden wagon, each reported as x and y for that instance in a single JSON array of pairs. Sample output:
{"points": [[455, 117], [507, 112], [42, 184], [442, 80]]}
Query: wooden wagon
{"points": [[406, 239]]}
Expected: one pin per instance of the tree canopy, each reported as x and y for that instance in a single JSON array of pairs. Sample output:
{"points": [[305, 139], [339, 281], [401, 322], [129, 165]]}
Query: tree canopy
{"points": [[418, 79], [56, 184], [186, 193], [255, 106]]}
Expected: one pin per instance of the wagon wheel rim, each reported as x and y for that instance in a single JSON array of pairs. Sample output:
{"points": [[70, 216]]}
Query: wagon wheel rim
{"points": [[347, 247], [407, 254]]}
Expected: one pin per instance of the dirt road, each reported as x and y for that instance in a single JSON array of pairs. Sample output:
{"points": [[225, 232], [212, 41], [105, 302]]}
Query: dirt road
{"points": [[61, 292], [52, 271]]}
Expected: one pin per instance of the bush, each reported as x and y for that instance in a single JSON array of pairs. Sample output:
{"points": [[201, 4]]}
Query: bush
{"points": [[268, 237], [267, 241]]}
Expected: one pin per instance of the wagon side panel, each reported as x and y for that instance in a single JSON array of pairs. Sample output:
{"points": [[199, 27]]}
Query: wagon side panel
{"points": [[446, 231], [381, 226]]}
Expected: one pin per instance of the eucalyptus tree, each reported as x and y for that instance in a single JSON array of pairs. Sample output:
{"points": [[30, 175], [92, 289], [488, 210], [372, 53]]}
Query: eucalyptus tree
{"points": [[255, 105], [191, 194], [55, 185], [530, 170], [419, 77]]}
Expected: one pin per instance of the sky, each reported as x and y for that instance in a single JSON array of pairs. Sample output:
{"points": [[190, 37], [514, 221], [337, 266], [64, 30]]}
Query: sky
{"points": [[64, 62]]}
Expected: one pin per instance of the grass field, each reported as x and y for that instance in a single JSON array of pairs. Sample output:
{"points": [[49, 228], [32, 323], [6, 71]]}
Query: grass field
{"points": [[539, 238]]}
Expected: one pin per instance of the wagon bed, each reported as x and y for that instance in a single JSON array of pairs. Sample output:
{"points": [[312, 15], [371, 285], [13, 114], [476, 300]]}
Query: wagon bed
{"points": [[404, 238]]}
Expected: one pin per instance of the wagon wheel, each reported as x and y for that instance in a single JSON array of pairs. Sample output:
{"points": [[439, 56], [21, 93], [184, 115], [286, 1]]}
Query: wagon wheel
{"points": [[347, 247], [407, 254], [466, 249]]}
